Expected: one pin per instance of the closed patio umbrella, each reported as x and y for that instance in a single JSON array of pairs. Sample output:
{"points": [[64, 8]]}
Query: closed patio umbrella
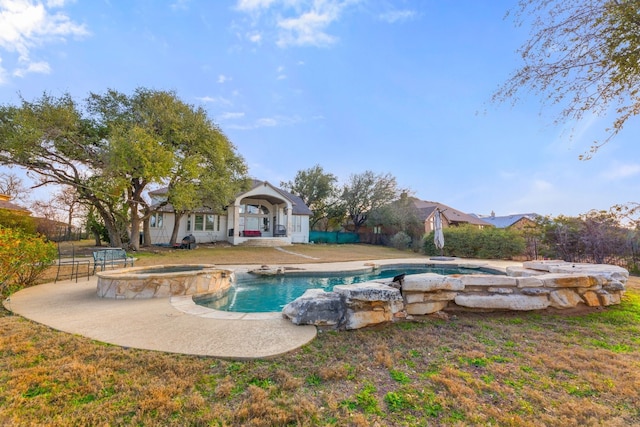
{"points": [[438, 236]]}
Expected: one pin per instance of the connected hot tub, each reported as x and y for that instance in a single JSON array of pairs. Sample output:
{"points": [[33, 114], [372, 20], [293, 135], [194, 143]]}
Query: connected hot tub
{"points": [[164, 281]]}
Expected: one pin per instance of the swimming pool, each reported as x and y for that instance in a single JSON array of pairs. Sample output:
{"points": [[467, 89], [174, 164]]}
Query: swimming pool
{"points": [[260, 294]]}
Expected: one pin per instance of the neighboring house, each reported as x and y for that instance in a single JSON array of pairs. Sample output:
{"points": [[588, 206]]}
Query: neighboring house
{"points": [[5, 203], [262, 215], [450, 217], [517, 221]]}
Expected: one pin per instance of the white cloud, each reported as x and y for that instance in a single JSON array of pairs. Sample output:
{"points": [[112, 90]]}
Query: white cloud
{"points": [[397, 16], [33, 67], [223, 79], [297, 22], [26, 25], [266, 122], [231, 116], [214, 100], [253, 5], [255, 37]]}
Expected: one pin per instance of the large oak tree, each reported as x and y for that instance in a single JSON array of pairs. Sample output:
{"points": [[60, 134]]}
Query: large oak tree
{"points": [[112, 147]]}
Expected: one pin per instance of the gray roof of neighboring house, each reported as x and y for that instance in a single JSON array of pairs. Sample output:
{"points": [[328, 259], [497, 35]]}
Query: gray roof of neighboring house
{"points": [[426, 208], [507, 220]]}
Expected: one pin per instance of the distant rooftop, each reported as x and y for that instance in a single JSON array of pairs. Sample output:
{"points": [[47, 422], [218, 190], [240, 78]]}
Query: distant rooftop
{"points": [[507, 220]]}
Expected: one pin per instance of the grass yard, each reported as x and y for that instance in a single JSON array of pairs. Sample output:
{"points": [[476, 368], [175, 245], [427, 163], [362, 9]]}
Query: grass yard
{"points": [[504, 369]]}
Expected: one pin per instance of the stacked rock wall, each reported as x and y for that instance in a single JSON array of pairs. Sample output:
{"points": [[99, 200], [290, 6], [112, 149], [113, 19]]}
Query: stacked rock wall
{"points": [[534, 286]]}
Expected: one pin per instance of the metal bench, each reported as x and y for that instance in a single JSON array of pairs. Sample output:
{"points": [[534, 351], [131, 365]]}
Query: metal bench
{"points": [[110, 257]]}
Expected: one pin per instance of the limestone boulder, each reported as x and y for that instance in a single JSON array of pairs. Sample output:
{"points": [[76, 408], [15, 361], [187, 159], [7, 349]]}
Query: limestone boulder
{"points": [[559, 280], [427, 307], [523, 272], [430, 282], [564, 298], [316, 307], [368, 291], [503, 302], [486, 280]]}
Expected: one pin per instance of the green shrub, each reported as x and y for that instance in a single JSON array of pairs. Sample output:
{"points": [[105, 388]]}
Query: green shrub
{"points": [[400, 240], [23, 258], [467, 241]]}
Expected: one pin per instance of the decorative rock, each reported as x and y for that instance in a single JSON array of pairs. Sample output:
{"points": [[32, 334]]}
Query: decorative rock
{"points": [[522, 272], [368, 292], [542, 265], [500, 290], [361, 319], [614, 286], [564, 298], [487, 280], [568, 281], [591, 298], [316, 307], [430, 282], [503, 302], [426, 307], [535, 291], [529, 282], [607, 299], [414, 297]]}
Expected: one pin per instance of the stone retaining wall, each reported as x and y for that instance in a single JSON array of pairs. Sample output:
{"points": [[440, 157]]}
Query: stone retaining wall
{"points": [[138, 283], [537, 285]]}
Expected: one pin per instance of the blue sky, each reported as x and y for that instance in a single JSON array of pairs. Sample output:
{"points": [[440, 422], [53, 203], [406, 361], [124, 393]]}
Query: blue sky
{"points": [[399, 87]]}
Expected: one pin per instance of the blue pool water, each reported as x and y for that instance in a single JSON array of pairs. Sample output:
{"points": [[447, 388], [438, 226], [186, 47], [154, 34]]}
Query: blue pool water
{"points": [[260, 294]]}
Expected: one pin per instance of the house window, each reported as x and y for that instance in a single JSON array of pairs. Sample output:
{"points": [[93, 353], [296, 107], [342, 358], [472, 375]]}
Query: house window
{"points": [[377, 229], [155, 220], [296, 224], [198, 222], [188, 222], [210, 223]]}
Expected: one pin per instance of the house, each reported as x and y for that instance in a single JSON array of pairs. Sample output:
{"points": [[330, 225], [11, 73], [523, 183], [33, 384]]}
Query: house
{"points": [[6, 204], [263, 215], [517, 221], [450, 217]]}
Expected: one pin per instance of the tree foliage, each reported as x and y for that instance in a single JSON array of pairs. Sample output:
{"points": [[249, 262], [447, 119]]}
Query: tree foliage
{"points": [[583, 55], [115, 145], [319, 191], [366, 192]]}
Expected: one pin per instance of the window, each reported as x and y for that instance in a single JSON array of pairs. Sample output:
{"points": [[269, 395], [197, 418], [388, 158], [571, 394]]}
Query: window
{"points": [[155, 220], [210, 223], [198, 223], [296, 224]]}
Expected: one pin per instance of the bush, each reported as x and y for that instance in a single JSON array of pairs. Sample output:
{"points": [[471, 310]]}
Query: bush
{"points": [[467, 241], [400, 240], [23, 258]]}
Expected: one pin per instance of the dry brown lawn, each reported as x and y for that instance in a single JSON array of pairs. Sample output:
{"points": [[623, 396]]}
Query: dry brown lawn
{"points": [[500, 369]]}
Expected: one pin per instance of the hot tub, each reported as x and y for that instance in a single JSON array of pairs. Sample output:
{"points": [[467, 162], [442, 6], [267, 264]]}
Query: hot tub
{"points": [[161, 281]]}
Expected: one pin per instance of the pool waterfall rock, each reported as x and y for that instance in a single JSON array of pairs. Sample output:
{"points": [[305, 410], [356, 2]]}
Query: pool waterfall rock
{"points": [[537, 285]]}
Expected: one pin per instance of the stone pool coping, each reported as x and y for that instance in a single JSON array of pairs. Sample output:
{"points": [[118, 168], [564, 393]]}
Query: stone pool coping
{"points": [[186, 304]]}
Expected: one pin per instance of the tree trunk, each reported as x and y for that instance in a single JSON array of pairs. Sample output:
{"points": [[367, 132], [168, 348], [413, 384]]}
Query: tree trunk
{"points": [[176, 225]]}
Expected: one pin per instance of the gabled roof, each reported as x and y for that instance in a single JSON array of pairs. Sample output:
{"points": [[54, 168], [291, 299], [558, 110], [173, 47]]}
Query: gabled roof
{"points": [[507, 220], [298, 206], [427, 208], [6, 204]]}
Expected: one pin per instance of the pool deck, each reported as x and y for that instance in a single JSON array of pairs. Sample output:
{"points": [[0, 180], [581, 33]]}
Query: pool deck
{"points": [[177, 325]]}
